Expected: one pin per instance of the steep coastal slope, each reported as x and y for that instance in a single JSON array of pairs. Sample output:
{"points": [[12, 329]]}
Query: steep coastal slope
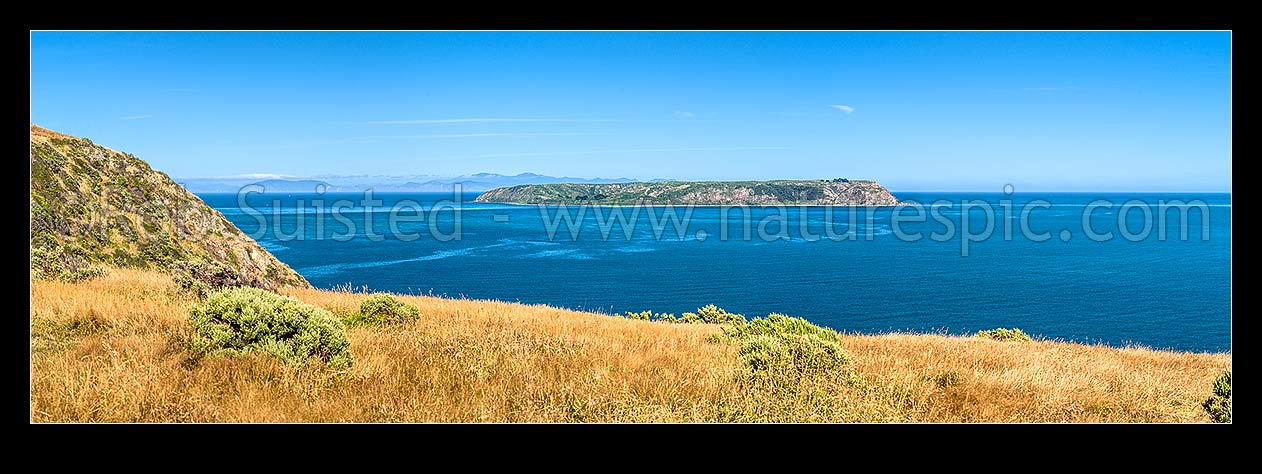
{"points": [[835, 192], [93, 207]]}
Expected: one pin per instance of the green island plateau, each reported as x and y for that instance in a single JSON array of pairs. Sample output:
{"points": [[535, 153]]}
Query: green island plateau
{"points": [[821, 192]]}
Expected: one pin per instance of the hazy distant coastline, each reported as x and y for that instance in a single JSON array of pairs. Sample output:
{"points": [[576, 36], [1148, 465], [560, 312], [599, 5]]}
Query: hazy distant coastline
{"points": [[476, 182]]}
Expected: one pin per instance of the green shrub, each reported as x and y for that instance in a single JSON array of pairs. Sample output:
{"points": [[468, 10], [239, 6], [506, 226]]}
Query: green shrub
{"points": [[1006, 335], [647, 315], [641, 316], [801, 353], [779, 352], [687, 318], [711, 314], [203, 277], [241, 320], [382, 308], [775, 324], [82, 273], [1219, 404], [57, 264]]}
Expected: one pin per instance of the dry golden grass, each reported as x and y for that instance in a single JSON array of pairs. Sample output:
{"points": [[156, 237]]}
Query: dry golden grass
{"points": [[111, 350], [39, 133], [1037, 381]]}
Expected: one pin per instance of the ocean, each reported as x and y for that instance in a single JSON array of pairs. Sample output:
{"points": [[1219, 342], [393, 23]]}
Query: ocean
{"points": [[1052, 273]]}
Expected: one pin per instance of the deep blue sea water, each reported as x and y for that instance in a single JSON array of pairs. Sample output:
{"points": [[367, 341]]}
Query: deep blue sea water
{"points": [[1162, 293]]}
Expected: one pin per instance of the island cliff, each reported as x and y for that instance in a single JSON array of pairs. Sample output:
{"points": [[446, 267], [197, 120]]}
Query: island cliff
{"points": [[830, 192]]}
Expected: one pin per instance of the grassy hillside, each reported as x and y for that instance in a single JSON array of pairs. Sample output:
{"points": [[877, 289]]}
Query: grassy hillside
{"points": [[93, 207], [702, 193], [111, 349]]}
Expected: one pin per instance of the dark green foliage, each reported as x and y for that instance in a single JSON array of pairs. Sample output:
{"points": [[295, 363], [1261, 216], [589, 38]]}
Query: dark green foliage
{"points": [[779, 351], [1219, 404], [45, 265], [642, 316], [242, 320], [203, 278], [800, 353], [1006, 335], [775, 324], [687, 318], [124, 258], [382, 308], [791, 192], [709, 314], [947, 379]]}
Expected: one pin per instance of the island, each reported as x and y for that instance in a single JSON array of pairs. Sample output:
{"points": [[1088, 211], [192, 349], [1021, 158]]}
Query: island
{"points": [[821, 192]]}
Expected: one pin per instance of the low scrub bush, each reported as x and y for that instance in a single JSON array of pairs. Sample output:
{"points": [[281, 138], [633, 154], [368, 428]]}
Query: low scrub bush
{"points": [[53, 265], [382, 308], [242, 320], [1006, 335], [777, 351], [204, 277], [800, 353], [1219, 404], [780, 352], [778, 324], [709, 314], [648, 316]]}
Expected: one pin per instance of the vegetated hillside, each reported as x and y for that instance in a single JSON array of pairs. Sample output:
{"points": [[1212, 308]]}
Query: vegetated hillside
{"points": [[112, 349], [93, 207], [834, 192]]}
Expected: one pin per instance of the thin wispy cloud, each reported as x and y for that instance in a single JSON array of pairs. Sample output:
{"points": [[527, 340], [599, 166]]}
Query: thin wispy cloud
{"points": [[469, 120], [505, 135], [844, 108], [134, 117], [684, 114], [367, 139], [620, 151]]}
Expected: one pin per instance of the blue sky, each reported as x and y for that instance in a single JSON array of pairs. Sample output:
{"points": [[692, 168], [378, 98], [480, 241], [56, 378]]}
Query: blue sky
{"points": [[1064, 111]]}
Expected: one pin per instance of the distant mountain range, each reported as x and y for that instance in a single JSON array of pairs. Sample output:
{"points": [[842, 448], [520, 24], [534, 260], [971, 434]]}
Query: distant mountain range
{"points": [[477, 182]]}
